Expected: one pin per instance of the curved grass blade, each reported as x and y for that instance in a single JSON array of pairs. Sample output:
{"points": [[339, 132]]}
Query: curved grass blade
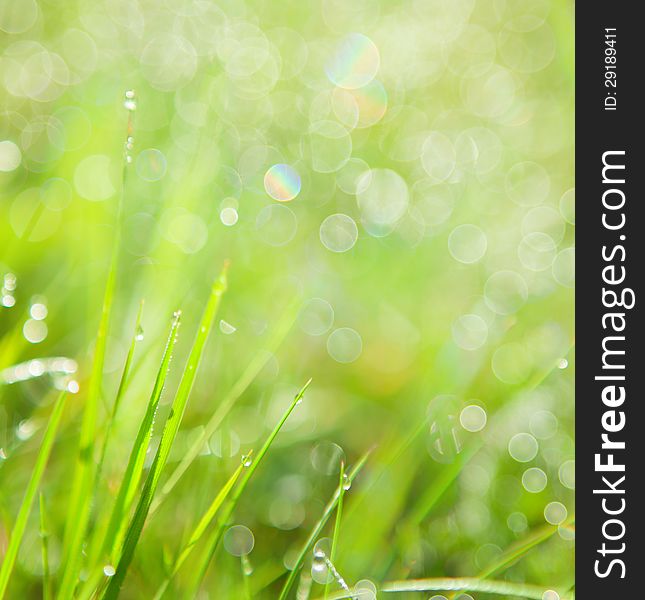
{"points": [[83, 481], [316, 531], [168, 436], [520, 549], [469, 584], [134, 469], [239, 490], [30, 494], [241, 385], [48, 592], [200, 529], [339, 514]]}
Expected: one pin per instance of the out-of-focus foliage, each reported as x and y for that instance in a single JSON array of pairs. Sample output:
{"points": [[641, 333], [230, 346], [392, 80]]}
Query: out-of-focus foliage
{"points": [[399, 172]]}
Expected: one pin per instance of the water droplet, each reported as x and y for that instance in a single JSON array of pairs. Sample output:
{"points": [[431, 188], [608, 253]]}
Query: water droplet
{"points": [[517, 522], [139, 334], [523, 447], [247, 567], [563, 363], [505, 292], [383, 201], [239, 540], [338, 233], [316, 316], [443, 441], [555, 513], [8, 301], [73, 387], [354, 63], [470, 332], [473, 418], [550, 595], [365, 590], [228, 216], [567, 474], [467, 244], [276, 224], [109, 570], [226, 328], [38, 311], [8, 288], [130, 102], [326, 457], [282, 182], [344, 345], [34, 331], [347, 482], [247, 461], [534, 480], [543, 424], [151, 164]]}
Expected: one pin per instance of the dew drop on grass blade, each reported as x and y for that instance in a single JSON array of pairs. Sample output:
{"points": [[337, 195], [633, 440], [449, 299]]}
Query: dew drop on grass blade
{"points": [[168, 436], [343, 485], [239, 490], [30, 494], [134, 469], [257, 363], [316, 531], [83, 479]]}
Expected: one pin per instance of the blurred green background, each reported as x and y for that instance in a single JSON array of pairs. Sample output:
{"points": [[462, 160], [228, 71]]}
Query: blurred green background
{"points": [[401, 171]]}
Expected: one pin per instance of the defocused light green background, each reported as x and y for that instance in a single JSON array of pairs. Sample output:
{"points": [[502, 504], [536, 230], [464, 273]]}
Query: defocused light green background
{"points": [[424, 221]]}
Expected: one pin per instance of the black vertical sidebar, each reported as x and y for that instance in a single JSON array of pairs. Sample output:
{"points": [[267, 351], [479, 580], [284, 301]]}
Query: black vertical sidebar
{"points": [[610, 360]]}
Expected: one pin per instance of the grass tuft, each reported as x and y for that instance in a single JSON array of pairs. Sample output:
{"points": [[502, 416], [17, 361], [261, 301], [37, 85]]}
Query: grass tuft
{"points": [[30, 494]]}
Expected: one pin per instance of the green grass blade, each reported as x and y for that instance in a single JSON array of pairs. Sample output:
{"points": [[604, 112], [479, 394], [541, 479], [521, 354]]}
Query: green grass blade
{"points": [[30, 494], [441, 484], [339, 514], [317, 530], [119, 395], [83, 480], [241, 385], [239, 490], [132, 477], [469, 584], [48, 593], [200, 528], [168, 436], [520, 549]]}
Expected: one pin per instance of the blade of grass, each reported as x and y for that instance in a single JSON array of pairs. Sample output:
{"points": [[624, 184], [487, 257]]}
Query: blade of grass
{"points": [[97, 538], [241, 385], [468, 584], [109, 534], [168, 435], [200, 529], [48, 593], [30, 494], [339, 513], [316, 531], [519, 550], [239, 490], [83, 480], [132, 476], [119, 394]]}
